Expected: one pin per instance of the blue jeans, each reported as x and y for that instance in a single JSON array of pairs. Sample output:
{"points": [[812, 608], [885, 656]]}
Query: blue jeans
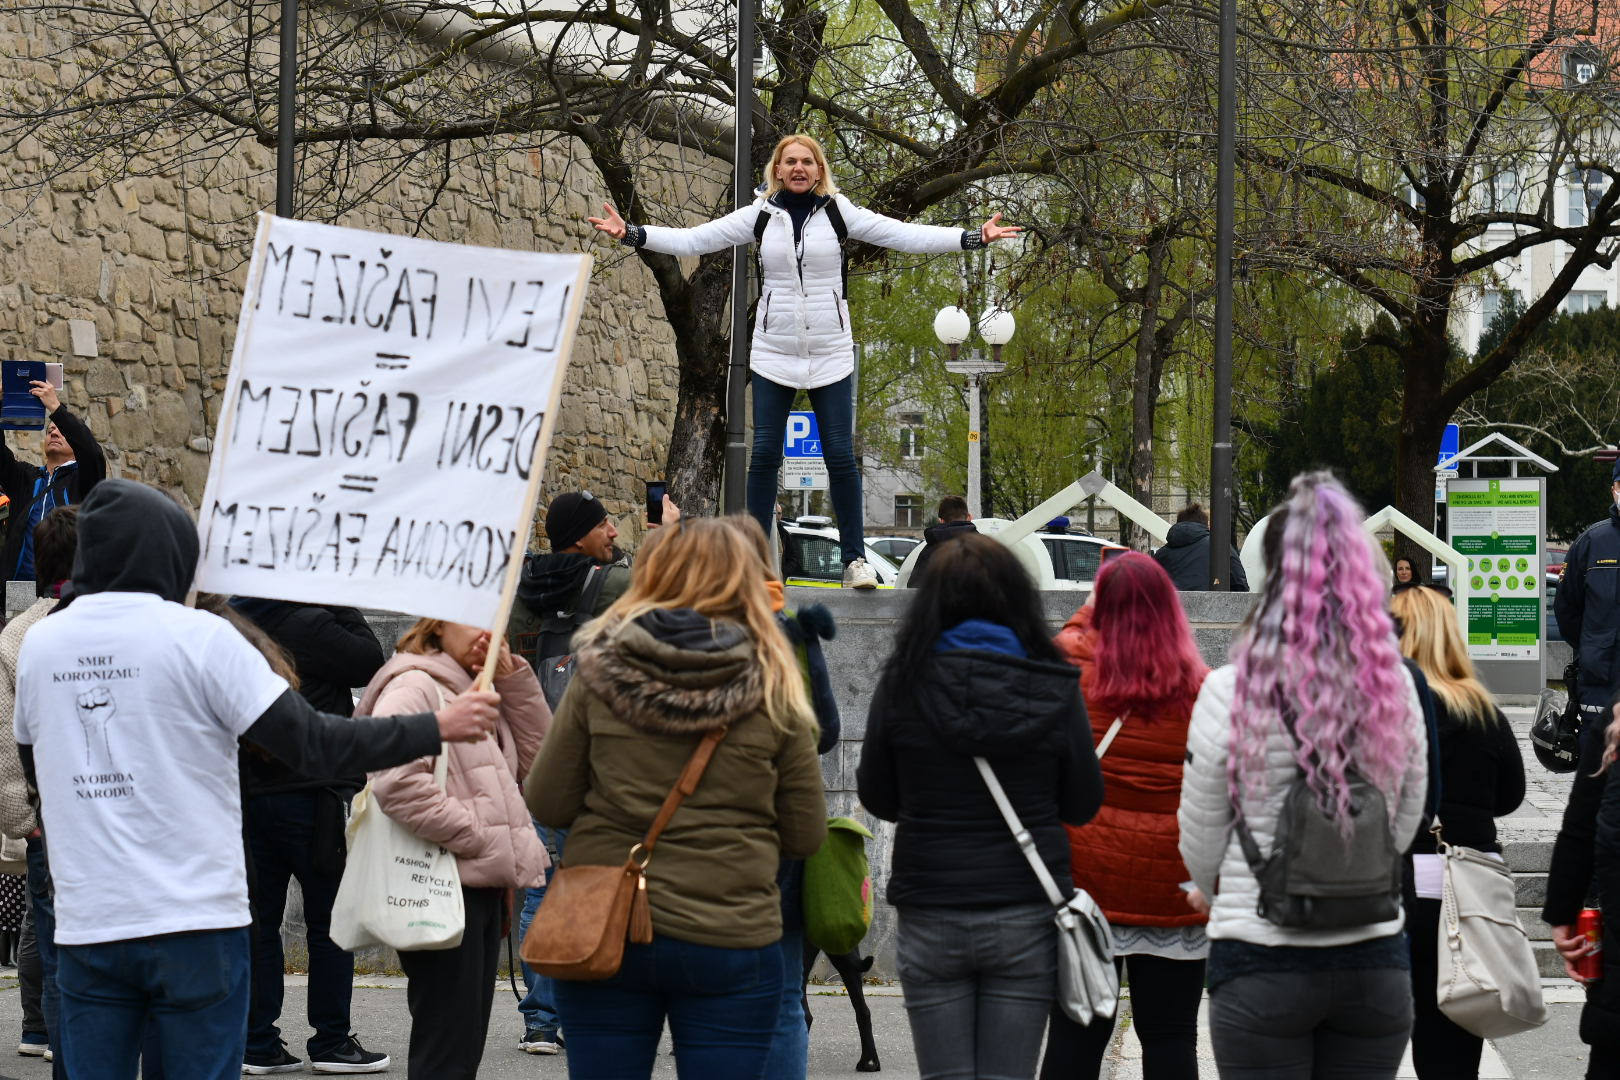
{"points": [[721, 1004], [790, 1046], [191, 988], [538, 1007], [281, 830], [834, 406], [42, 905]]}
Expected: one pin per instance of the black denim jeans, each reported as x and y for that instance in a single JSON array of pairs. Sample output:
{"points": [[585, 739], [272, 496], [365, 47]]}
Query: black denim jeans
{"points": [[979, 984], [1316, 1025], [282, 834]]}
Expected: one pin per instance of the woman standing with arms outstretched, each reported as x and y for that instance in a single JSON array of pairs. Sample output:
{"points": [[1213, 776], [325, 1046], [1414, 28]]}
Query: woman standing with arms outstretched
{"points": [[1317, 689], [1481, 779], [1139, 670], [802, 338], [975, 674]]}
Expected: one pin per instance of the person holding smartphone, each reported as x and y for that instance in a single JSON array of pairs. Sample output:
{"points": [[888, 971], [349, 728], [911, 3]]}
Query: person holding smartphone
{"points": [[74, 463]]}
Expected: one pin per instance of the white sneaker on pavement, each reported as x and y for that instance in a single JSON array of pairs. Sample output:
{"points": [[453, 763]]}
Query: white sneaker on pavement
{"points": [[860, 575]]}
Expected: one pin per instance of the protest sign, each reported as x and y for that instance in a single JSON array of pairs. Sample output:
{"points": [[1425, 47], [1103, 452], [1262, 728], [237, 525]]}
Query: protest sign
{"points": [[386, 420]]}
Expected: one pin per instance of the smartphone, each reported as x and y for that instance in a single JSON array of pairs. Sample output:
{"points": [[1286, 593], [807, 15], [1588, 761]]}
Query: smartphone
{"points": [[655, 501], [1111, 553], [53, 374]]}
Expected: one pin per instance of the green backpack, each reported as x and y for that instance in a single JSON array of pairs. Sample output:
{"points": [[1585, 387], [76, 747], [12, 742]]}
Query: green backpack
{"points": [[838, 889]]}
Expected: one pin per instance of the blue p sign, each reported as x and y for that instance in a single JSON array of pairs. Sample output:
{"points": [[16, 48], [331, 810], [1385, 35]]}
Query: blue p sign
{"points": [[802, 438]]}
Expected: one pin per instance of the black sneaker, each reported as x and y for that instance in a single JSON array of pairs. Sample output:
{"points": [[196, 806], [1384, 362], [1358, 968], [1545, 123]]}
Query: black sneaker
{"points": [[265, 1064], [351, 1057]]}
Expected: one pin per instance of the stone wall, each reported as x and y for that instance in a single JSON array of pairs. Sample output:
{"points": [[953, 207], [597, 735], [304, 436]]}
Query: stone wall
{"points": [[134, 284]]}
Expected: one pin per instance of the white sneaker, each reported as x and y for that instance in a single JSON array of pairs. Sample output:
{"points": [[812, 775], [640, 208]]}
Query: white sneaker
{"points": [[860, 575]]}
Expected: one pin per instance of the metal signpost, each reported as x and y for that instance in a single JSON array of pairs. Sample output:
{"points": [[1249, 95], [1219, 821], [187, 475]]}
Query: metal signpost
{"points": [[976, 368], [803, 468], [1499, 525]]}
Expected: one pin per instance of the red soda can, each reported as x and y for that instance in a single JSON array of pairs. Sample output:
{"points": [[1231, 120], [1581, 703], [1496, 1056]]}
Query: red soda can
{"points": [[1590, 926]]}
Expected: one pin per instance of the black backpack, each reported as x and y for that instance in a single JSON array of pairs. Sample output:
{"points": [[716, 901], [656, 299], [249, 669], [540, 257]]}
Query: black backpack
{"points": [[552, 655], [1315, 878], [835, 217]]}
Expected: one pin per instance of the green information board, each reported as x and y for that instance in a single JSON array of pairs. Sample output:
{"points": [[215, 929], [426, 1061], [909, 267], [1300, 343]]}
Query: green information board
{"points": [[1497, 525]]}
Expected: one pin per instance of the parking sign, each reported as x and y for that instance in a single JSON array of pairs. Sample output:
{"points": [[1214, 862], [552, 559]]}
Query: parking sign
{"points": [[802, 464]]}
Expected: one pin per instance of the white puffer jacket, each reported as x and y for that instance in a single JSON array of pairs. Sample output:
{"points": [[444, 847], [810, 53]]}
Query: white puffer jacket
{"points": [[1209, 844], [801, 329]]}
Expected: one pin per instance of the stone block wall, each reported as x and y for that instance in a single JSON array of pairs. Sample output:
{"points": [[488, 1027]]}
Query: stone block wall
{"points": [[134, 285]]}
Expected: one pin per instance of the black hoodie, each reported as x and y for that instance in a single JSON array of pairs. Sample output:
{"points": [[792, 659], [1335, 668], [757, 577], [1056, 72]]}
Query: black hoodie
{"points": [[933, 537], [133, 538], [1185, 557], [952, 847]]}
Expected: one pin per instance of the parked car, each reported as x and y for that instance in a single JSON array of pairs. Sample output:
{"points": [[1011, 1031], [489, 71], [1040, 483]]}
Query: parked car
{"points": [[811, 555], [893, 548], [1054, 560], [1075, 557], [1555, 557]]}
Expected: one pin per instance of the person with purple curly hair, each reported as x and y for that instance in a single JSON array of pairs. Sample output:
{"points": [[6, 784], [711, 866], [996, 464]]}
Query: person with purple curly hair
{"points": [[1316, 688]]}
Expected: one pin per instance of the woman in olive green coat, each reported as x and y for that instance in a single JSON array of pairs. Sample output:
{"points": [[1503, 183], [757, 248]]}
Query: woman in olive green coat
{"points": [[691, 647]]}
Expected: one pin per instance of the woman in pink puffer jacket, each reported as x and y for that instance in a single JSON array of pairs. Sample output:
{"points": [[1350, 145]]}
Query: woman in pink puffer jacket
{"points": [[480, 817]]}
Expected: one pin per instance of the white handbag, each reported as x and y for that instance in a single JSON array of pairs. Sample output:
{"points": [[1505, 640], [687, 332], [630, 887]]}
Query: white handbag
{"points": [[397, 889], [1088, 984], [1489, 984]]}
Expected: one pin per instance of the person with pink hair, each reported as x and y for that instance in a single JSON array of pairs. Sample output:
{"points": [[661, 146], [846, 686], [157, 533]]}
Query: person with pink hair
{"points": [[1139, 673], [1316, 689]]}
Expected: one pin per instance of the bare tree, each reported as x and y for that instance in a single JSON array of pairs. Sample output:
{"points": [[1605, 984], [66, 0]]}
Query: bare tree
{"points": [[1417, 152], [639, 91]]}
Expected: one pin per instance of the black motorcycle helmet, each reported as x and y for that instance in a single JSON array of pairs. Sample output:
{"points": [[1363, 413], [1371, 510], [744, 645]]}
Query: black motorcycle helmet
{"points": [[1556, 734]]}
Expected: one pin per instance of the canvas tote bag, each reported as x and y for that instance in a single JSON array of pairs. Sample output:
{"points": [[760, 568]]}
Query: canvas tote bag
{"points": [[397, 889]]}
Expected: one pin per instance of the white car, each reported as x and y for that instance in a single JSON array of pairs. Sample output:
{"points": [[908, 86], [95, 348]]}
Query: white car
{"points": [[817, 560], [893, 548], [1076, 558], [1054, 560]]}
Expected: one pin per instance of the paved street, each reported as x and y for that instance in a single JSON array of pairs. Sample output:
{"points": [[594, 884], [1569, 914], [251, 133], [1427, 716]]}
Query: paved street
{"points": [[1553, 1052]]}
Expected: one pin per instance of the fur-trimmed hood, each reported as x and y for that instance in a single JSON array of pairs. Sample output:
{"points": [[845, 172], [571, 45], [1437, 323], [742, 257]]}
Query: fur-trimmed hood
{"points": [[675, 672]]}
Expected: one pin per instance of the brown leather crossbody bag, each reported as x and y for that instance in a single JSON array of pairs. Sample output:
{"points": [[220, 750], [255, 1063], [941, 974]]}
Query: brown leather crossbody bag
{"points": [[590, 911]]}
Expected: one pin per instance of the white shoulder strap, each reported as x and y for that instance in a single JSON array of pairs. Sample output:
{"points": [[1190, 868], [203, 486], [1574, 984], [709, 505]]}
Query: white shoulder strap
{"points": [[1026, 842], [1108, 739]]}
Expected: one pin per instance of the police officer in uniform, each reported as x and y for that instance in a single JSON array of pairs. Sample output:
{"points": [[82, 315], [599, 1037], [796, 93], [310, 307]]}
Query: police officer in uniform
{"points": [[1588, 611]]}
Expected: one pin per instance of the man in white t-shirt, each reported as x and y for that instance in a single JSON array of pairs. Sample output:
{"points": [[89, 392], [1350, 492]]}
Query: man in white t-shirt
{"points": [[129, 707]]}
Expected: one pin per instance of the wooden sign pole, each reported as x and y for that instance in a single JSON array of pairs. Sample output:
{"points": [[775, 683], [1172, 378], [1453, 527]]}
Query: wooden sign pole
{"points": [[531, 496]]}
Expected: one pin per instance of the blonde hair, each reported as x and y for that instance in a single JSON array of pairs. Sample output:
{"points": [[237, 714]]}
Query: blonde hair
{"points": [[1429, 635], [716, 567], [424, 636], [824, 186]]}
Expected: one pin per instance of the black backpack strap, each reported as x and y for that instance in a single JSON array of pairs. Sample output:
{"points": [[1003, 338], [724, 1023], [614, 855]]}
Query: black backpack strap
{"points": [[835, 217], [760, 223], [1251, 848]]}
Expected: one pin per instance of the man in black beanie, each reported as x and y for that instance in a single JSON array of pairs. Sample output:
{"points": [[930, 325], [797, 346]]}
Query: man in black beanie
{"points": [[583, 555]]}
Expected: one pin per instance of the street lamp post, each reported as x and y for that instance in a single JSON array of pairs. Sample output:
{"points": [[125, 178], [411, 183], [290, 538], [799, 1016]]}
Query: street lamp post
{"points": [[952, 326]]}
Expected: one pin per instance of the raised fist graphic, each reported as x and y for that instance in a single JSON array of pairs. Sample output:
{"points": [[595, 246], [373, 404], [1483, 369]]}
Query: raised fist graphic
{"points": [[96, 709]]}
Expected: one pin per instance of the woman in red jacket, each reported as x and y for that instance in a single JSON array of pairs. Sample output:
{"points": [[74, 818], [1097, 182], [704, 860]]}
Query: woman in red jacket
{"points": [[1139, 670]]}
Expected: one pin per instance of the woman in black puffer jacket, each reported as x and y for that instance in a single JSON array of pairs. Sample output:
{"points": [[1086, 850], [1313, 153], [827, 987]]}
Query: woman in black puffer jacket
{"points": [[1481, 779], [974, 673]]}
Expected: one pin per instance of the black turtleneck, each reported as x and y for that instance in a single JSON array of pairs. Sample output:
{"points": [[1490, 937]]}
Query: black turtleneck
{"points": [[798, 207]]}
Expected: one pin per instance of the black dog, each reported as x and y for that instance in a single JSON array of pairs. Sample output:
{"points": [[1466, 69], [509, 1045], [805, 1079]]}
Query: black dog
{"points": [[850, 968]]}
